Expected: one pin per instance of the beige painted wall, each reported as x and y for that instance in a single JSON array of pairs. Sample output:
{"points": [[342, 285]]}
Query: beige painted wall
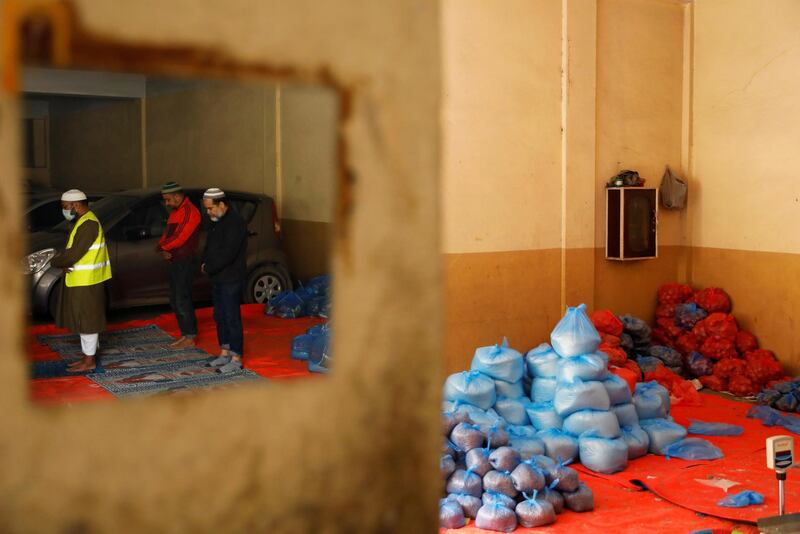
{"points": [[639, 109], [501, 185], [745, 203], [275, 457], [211, 134], [99, 144], [746, 125]]}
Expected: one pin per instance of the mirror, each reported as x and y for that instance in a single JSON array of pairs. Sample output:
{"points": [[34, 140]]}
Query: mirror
{"points": [[244, 223]]}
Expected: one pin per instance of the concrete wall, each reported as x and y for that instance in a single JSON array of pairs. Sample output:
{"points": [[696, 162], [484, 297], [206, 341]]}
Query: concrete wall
{"points": [[211, 134], [745, 203], [38, 109], [275, 457], [99, 144], [307, 129]]}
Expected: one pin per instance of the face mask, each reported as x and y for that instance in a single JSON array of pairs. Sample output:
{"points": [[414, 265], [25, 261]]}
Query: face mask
{"points": [[68, 214], [214, 219]]}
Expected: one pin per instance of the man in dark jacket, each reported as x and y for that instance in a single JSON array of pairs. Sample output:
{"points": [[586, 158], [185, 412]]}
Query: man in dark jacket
{"points": [[178, 246], [225, 261]]}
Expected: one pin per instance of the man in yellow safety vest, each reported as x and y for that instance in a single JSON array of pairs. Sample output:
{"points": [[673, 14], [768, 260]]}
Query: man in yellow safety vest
{"points": [[82, 305]]}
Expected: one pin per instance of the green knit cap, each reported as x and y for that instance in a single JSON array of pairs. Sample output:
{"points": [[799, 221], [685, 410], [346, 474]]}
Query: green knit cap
{"points": [[171, 187]]}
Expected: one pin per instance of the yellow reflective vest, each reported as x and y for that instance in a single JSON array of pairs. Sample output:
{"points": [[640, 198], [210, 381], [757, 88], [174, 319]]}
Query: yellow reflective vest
{"points": [[95, 266]]}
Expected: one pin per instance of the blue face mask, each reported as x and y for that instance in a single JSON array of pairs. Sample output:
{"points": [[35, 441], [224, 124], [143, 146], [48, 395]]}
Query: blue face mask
{"points": [[68, 214]]}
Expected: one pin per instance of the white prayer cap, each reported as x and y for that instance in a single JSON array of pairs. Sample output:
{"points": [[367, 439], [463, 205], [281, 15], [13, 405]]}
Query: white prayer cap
{"points": [[214, 194], [73, 195]]}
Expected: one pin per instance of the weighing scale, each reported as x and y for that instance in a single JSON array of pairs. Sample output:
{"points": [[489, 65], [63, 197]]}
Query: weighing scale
{"points": [[780, 457]]}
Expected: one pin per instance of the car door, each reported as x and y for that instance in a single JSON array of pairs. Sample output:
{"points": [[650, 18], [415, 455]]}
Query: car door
{"points": [[140, 273]]}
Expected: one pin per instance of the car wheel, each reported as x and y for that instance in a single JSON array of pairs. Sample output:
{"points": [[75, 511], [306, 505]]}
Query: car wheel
{"points": [[265, 282], [53, 300]]}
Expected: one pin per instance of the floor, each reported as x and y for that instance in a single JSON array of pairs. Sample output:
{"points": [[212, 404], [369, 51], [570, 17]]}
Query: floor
{"points": [[267, 349]]}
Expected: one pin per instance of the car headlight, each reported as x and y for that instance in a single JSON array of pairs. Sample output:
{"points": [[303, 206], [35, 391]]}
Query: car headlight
{"points": [[33, 263]]}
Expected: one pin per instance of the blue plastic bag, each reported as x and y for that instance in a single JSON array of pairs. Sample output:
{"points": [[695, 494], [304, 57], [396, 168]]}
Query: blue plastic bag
{"points": [[626, 414], [512, 410], [648, 364], [558, 445], [535, 513], [670, 357], [651, 400], [543, 416], [688, 315], [472, 387], [496, 517], [301, 346], [491, 497], [772, 417], [579, 395], [662, 433], [319, 360], [699, 365], [618, 390], [742, 499], [465, 481], [787, 403], [693, 449], [542, 361], [543, 389], [528, 446], [451, 515], [602, 423], [637, 328], [637, 440], [704, 428], [583, 367], [499, 362], [603, 455], [768, 396], [574, 334], [512, 390], [290, 307]]}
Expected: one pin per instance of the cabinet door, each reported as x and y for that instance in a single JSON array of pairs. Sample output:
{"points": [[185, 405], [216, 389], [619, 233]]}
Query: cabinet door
{"points": [[639, 223]]}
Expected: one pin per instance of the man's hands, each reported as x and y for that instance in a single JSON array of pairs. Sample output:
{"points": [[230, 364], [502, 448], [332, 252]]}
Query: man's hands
{"points": [[166, 255], [203, 268]]}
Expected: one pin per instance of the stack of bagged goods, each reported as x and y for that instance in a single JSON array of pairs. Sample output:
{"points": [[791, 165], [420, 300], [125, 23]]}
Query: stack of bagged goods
{"points": [[313, 347], [698, 329], [498, 468], [507, 452], [617, 341], [311, 300]]}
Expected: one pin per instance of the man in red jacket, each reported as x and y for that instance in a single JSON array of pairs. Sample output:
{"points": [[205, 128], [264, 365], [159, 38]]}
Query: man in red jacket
{"points": [[178, 246]]}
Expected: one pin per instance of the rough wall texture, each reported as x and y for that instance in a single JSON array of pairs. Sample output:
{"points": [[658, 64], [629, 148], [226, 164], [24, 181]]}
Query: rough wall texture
{"points": [[272, 457]]}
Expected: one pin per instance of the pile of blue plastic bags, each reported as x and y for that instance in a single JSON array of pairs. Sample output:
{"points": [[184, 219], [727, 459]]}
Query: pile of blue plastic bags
{"points": [[313, 346], [310, 300], [514, 423]]}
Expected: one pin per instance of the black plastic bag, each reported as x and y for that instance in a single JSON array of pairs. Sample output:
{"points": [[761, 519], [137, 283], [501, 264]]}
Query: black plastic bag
{"points": [[673, 191]]}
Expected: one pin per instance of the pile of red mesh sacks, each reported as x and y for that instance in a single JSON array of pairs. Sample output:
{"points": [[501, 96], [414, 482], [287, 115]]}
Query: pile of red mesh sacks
{"points": [[611, 328], [699, 325]]}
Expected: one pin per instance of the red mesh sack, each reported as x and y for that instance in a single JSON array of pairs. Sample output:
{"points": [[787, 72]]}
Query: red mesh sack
{"points": [[742, 386], [606, 322], [745, 341], [629, 376], [659, 336], [687, 343], [699, 331], [674, 293], [730, 367], [609, 340], [666, 311], [762, 366], [633, 367], [718, 348], [714, 382], [670, 327], [713, 299], [686, 394], [616, 356], [722, 325]]}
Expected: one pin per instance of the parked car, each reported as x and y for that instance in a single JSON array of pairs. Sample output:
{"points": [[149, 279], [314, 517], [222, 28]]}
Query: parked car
{"points": [[133, 222], [44, 210]]}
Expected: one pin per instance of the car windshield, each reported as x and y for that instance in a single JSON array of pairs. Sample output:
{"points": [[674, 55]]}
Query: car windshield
{"points": [[106, 208]]}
